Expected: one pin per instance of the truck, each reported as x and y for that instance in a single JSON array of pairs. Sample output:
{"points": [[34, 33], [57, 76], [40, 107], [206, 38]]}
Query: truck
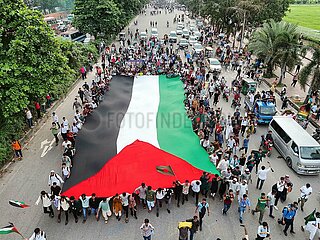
{"points": [[263, 109]]}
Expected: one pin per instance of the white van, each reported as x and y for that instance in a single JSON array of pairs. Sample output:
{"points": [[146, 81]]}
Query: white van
{"points": [[297, 147]]}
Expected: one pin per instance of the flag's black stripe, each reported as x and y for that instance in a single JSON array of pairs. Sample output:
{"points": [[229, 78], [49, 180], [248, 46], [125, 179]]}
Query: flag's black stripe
{"points": [[96, 142]]}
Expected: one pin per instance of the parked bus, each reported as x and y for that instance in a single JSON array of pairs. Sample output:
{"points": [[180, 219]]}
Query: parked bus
{"points": [[74, 35], [300, 151]]}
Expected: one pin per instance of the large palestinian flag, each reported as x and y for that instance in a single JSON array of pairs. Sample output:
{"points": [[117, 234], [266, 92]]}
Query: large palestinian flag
{"points": [[139, 133]]}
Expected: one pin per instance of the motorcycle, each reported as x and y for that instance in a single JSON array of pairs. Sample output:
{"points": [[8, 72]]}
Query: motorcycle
{"points": [[316, 134], [266, 145], [167, 24]]}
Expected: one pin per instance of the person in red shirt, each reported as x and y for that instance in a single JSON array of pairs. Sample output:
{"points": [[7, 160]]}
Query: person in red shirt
{"points": [[38, 109]]}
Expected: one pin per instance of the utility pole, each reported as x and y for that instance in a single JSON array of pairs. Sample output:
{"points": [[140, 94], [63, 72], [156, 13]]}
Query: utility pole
{"points": [[242, 32]]}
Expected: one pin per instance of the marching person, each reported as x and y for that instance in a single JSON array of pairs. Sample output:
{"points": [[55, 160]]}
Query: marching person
{"points": [[261, 206], [263, 231], [105, 210], [38, 235], [63, 206], [45, 198], [133, 205], [125, 204], [244, 203], [262, 175], [54, 177], [288, 215], [85, 205], [312, 226], [117, 206], [305, 192], [74, 208], [147, 229], [195, 225], [202, 208], [195, 186]]}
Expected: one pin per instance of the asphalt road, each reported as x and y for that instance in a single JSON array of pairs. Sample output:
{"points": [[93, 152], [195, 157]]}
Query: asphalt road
{"points": [[25, 179]]}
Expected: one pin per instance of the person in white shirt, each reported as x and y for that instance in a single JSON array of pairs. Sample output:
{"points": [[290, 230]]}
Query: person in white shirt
{"points": [[159, 197], [54, 177], [38, 235], [55, 119], [65, 122], [45, 198], [195, 186], [271, 197], [65, 144], [214, 158], [305, 192], [141, 190], [262, 175], [234, 186], [223, 164], [313, 227], [244, 124], [263, 231], [63, 206], [29, 117], [279, 186], [125, 204], [205, 143], [231, 143], [65, 171], [243, 189], [147, 229], [185, 191]]}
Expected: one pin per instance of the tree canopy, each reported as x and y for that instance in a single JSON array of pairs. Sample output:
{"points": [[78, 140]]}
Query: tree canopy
{"points": [[33, 63], [104, 18], [276, 43]]}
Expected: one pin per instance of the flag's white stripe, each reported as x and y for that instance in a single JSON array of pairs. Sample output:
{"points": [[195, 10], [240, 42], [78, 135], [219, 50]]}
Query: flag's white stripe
{"points": [[140, 121]]}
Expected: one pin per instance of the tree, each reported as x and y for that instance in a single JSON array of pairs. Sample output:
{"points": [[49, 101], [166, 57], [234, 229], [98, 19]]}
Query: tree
{"points": [[276, 42], [272, 9], [97, 17], [287, 43], [32, 63], [311, 72]]}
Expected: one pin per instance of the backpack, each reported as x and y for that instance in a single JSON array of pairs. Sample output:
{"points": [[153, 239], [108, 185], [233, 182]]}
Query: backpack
{"points": [[203, 209]]}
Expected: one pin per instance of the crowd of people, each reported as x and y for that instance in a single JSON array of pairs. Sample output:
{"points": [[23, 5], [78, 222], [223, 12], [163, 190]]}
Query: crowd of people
{"points": [[225, 138]]}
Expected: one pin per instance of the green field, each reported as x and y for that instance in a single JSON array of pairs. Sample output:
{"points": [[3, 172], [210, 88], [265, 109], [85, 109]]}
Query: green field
{"points": [[307, 16]]}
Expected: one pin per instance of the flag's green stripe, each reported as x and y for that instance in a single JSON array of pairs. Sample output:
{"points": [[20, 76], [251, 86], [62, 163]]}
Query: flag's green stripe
{"points": [[174, 128], [6, 231]]}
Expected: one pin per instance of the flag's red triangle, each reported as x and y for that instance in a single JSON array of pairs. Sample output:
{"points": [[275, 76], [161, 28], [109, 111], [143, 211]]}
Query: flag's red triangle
{"points": [[136, 163]]}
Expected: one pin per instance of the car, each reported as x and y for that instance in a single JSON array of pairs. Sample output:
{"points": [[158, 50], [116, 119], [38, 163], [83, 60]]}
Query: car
{"points": [[179, 31], [143, 35], [192, 40], [183, 43], [192, 28], [173, 37], [187, 13], [213, 64], [161, 41], [197, 34], [154, 33], [180, 26], [197, 48], [185, 33]]}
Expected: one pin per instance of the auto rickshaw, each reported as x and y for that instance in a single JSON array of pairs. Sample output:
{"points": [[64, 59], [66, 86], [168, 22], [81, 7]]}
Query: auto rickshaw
{"points": [[248, 85], [209, 53], [303, 112]]}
